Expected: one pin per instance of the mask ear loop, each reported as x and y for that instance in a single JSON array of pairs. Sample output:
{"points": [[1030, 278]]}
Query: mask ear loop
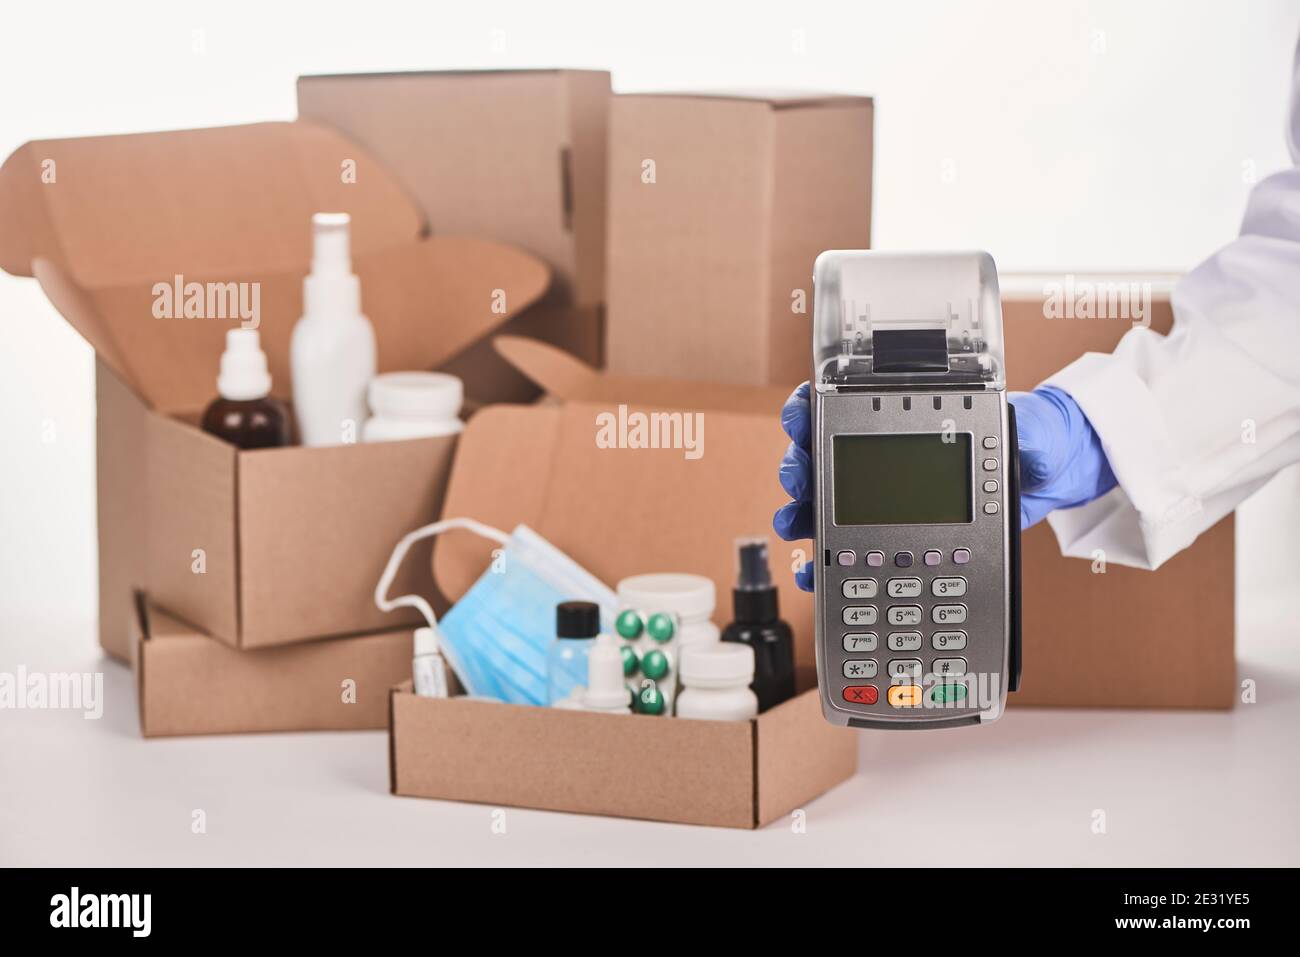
{"points": [[399, 553]]}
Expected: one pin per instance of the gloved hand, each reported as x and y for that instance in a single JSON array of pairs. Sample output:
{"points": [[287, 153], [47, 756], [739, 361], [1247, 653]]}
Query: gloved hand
{"points": [[1061, 462]]}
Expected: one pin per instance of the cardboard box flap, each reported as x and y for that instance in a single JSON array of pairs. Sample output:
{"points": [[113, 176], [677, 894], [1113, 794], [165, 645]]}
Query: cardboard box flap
{"points": [[776, 99], [622, 511], [565, 377], [428, 299], [226, 201]]}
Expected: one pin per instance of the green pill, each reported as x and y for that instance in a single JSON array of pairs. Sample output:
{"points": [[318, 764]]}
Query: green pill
{"points": [[654, 664], [628, 624], [660, 627], [630, 663], [650, 700]]}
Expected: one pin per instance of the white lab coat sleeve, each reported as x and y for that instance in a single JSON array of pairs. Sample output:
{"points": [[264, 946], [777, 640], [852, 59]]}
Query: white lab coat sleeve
{"points": [[1194, 422]]}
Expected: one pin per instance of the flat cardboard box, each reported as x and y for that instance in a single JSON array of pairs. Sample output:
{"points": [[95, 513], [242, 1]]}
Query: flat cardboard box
{"points": [[269, 546], [186, 683], [1123, 637], [718, 206], [512, 155], [741, 774]]}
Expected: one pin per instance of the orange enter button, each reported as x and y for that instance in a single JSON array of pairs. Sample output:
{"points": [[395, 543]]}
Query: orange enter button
{"points": [[905, 696]]}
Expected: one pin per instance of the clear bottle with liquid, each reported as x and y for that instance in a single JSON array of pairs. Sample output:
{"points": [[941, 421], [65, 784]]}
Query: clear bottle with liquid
{"points": [[577, 623]]}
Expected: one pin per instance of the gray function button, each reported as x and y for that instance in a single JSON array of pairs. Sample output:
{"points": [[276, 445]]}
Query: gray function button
{"points": [[875, 559], [990, 465], [948, 640], [990, 442], [904, 588], [860, 615], [948, 587], [905, 668], [948, 614], [860, 642], [961, 556], [949, 667], [904, 641], [846, 557], [990, 486], [860, 668], [990, 508], [904, 614], [932, 557], [859, 588]]}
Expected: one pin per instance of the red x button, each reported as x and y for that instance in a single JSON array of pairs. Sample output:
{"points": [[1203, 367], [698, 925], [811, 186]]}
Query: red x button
{"points": [[861, 694]]}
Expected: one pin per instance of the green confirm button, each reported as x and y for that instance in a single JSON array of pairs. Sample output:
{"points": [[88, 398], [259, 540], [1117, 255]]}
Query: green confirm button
{"points": [[946, 693]]}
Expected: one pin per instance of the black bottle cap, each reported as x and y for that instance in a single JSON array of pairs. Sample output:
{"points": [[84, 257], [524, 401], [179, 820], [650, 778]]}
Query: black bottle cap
{"points": [[754, 599], [753, 570], [577, 619]]}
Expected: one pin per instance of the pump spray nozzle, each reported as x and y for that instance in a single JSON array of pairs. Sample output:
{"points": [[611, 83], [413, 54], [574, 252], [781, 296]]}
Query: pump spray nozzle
{"points": [[331, 289]]}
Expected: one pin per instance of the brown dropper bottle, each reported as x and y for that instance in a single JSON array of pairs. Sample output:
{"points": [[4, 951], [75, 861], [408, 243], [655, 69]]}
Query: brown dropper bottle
{"points": [[244, 414]]}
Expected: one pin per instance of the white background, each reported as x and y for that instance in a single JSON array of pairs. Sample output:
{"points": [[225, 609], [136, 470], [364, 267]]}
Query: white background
{"points": [[1060, 136]]}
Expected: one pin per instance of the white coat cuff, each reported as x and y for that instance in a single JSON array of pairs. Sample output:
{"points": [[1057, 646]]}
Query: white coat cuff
{"points": [[1151, 516]]}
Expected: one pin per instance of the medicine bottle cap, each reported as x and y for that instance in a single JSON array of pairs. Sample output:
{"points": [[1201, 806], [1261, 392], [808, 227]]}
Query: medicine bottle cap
{"points": [[416, 395], [754, 599], [577, 619], [717, 664], [691, 596], [426, 642], [244, 375]]}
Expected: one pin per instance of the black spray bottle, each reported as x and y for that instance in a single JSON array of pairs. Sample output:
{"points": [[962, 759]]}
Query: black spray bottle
{"points": [[757, 624]]}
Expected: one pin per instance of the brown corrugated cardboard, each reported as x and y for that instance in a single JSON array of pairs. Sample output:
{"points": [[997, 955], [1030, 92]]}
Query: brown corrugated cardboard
{"points": [[1125, 637], [718, 206], [724, 773], [512, 155], [619, 512], [622, 511], [260, 547], [187, 683]]}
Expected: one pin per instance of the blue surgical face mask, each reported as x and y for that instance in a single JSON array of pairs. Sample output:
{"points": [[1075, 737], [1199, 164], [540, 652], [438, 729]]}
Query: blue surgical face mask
{"points": [[495, 638]]}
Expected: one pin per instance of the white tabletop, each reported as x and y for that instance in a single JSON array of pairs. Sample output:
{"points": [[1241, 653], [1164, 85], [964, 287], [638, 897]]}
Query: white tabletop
{"points": [[1176, 788]]}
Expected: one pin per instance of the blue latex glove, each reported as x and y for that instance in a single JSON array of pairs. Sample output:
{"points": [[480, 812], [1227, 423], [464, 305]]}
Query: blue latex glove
{"points": [[1061, 462]]}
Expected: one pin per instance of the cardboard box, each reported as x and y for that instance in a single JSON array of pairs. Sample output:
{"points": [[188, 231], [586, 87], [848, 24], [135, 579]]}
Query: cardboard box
{"points": [[186, 683], [512, 155], [1126, 637], [724, 773], [269, 546], [617, 512], [718, 206]]}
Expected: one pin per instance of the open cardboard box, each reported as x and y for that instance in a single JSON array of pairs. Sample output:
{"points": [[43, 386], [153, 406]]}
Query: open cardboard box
{"points": [[186, 683], [617, 512], [724, 773], [269, 546], [1122, 638], [512, 155]]}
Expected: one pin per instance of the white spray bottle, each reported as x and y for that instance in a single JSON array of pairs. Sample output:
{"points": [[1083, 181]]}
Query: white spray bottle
{"points": [[332, 354]]}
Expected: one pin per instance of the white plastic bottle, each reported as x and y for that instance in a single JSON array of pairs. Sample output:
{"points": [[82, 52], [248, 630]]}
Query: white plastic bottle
{"points": [[606, 692], [428, 669], [715, 682], [413, 405], [332, 354]]}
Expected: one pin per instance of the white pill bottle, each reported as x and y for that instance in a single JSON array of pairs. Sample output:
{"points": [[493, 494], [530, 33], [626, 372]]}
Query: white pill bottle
{"points": [[715, 682], [413, 405]]}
